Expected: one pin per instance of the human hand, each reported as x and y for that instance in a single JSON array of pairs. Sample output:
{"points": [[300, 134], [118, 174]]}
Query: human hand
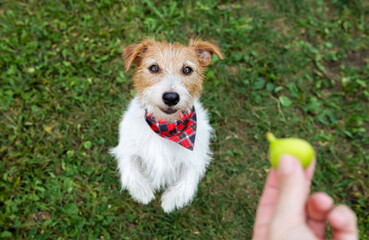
{"points": [[286, 211]]}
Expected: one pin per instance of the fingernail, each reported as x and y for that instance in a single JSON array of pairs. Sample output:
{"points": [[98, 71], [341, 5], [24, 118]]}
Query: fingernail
{"points": [[286, 164]]}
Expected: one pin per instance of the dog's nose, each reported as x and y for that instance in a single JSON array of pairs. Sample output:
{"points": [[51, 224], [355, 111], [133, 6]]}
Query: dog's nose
{"points": [[170, 98]]}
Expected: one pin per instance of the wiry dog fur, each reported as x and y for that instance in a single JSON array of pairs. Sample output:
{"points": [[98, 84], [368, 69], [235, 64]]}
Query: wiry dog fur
{"points": [[146, 161]]}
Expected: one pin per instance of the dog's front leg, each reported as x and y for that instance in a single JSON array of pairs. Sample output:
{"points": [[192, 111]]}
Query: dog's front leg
{"points": [[132, 179], [183, 191]]}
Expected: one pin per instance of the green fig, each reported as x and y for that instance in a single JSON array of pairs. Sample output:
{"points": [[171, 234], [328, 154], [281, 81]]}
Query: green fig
{"points": [[296, 147]]}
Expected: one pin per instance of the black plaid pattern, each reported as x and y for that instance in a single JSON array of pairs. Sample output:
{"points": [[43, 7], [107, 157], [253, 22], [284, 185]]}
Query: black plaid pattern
{"points": [[181, 131]]}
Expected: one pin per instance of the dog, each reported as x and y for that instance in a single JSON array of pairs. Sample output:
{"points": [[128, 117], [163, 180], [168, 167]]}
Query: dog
{"points": [[164, 135]]}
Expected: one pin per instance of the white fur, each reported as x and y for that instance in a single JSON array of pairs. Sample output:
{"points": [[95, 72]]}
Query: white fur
{"points": [[148, 162]]}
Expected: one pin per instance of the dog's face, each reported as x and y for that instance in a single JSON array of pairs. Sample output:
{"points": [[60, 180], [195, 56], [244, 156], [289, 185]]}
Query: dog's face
{"points": [[168, 77]]}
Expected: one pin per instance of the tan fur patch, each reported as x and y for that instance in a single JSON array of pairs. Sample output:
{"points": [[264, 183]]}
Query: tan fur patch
{"points": [[171, 59]]}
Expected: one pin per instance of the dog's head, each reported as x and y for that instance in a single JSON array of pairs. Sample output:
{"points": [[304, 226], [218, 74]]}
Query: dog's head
{"points": [[168, 77]]}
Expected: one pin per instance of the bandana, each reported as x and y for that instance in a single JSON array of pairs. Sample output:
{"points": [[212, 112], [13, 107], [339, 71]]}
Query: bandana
{"points": [[181, 131]]}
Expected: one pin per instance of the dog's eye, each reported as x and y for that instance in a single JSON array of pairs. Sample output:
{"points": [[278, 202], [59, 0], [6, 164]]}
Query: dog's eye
{"points": [[154, 68], [187, 70]]}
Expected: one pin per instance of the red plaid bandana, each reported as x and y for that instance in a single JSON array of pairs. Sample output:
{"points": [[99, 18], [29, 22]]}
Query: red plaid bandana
{"points": [[181, 131]]}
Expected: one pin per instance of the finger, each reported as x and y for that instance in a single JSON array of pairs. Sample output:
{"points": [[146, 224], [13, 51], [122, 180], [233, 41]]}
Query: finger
{"points": [[268, 200], [293, 189], [343, 221], [309, 171], [266, 206], [318, 206]]}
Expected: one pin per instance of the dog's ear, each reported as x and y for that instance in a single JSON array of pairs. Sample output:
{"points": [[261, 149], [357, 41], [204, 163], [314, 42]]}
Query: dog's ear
{"points": [[134, 53], [205, 50]]}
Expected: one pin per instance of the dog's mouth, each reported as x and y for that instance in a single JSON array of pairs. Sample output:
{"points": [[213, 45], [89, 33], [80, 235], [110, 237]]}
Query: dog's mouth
{"points": [[168, 111]]}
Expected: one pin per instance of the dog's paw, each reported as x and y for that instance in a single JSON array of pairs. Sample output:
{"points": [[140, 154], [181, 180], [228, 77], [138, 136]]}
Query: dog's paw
{"points": [[141, 193], [176, 197]]}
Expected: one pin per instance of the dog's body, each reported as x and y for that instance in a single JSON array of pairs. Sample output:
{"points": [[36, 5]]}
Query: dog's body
{"points": [[148, 162]]}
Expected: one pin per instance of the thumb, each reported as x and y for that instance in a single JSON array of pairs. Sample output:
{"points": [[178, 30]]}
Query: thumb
{"points": [[293, 188]]}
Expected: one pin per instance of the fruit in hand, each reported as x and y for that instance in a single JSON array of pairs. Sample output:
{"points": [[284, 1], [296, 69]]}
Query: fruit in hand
{"points": [[299, 148]]}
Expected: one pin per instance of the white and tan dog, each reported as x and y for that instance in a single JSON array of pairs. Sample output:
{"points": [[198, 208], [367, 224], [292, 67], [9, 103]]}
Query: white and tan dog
{"points": [[168, 83]]}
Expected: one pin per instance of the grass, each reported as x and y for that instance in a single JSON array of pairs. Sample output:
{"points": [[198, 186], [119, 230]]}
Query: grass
{"points": [[296, 68]]}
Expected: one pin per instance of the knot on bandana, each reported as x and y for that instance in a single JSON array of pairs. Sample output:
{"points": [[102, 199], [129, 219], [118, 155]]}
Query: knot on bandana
{"points": [[181, 131]]}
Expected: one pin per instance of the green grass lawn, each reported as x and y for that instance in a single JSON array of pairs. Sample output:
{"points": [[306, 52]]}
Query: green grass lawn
{"points": [[296, 68]]}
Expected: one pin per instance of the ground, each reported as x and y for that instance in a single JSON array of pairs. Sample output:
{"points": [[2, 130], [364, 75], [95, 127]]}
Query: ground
{"points": [[296, 68]]}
